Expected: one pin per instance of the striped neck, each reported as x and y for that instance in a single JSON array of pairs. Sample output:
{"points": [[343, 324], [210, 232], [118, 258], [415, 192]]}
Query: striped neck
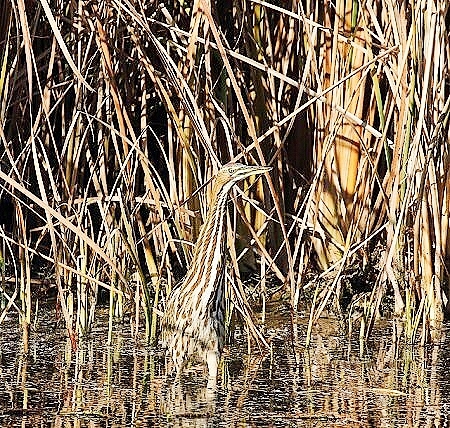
{"points": [[207, 264]]}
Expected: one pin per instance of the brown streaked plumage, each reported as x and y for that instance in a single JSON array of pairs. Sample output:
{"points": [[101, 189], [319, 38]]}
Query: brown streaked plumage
{"points": [[193, 324]]}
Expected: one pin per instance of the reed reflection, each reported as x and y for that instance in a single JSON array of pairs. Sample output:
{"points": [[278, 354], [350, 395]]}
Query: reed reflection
{"points": [[125, 383]]}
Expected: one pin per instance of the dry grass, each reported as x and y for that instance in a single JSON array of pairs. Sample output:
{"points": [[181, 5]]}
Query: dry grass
{"points": [[115, 115]]}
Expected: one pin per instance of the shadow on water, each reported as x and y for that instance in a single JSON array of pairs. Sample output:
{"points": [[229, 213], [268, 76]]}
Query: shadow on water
{"points": [[124, 384]]}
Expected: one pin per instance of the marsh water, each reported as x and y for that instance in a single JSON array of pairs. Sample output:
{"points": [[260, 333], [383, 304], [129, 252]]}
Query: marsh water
{"points": [[335, 383]]}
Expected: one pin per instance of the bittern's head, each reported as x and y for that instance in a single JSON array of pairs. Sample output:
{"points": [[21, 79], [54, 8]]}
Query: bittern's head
{"points": [[232, 173]]}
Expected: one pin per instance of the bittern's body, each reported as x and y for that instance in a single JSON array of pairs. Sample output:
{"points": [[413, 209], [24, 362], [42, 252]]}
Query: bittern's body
{"points": [[194, 320]]}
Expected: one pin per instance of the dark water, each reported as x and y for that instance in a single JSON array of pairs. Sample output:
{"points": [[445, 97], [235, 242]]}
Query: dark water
{"points": [[124, 385]]}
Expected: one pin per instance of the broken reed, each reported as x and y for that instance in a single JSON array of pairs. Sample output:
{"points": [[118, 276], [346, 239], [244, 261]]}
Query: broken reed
{"points": [[114, 117]]}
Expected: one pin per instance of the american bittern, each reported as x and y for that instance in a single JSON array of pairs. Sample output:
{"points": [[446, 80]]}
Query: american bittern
{"points": [[194, 321]]}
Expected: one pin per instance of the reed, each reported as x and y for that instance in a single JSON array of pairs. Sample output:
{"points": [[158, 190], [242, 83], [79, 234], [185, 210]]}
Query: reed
{"points": [[115, 116]]}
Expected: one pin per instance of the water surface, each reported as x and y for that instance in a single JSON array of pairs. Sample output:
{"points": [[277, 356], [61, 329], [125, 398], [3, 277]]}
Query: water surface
{"points": [[333, 384]]}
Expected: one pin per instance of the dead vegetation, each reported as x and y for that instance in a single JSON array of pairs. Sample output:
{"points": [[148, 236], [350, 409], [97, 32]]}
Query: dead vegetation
{"points": [[115, 114]]}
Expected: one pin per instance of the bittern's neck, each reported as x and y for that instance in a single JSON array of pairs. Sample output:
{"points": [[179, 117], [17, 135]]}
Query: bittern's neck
{"points": [[207, 264]]}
